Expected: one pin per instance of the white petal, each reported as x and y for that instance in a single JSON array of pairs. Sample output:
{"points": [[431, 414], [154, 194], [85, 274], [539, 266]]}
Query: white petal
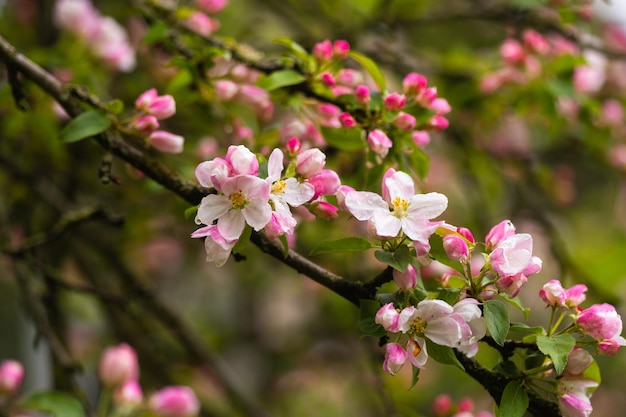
{"points": [[428, 205], [363, 204], [212, 207], [231, 225], [257, 214]]}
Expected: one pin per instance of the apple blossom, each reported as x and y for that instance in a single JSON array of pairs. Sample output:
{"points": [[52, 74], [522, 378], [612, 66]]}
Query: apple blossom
{"points": [[216, 246], [421, 138], [243, 199], [512, 51], [310, 162], [145, 125], [327, 79], [324, 210], [405, 121], [456, 248], [241, 160], [226, 89], [346, 120], [349, 78], [211, 6], [513, 255], [387, 316], [399, 209], [442, 405], [201, 23]]}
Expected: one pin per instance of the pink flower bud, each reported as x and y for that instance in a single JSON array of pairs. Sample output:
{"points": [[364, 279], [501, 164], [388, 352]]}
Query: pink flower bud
{"points": [[324, 210], [211, 6], [588, 79], [346, 120], [536, 42], [440, 105], [407, 279], [427, 96], [511, 51], [553, 293], [129, 393], [395, 101], [323, 50], [11, 376], [253, 96], [438, 122], [395, 356], [414, 83], [379, 142], [175, 401], [387, 316], [573, 405], [608, 347], [499, 232], [578, 361], [612, 112], [349, 77], [466, 404], [326, 182], [293, 145], [242, 74], [421, 138], [511, 285], [327, 79], [226, 89], [362, 94], [456, 248], [166, 142], [340, 90], [600, 321], [160, 107], [442, 405], [145, 125], [118, 364], [328, 114], [404, 121], [201, 23], [310, 162], [575, 296], [466, 233], [341, 48]]}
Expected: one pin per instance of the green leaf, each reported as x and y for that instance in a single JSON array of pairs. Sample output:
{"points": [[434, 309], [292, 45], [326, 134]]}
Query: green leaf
{"points": [[449, 295], [156, 33], [400, 259], [514, 401], [344, 139], [557, 348], [367, 325], [416, 376], [525, 328], [190, 213], [279, 79], [348, 244], [497, 317], [371, 67], [293, 46], [443, 354], [517, 303], [86, 125], [115, 106], [59, 404]]}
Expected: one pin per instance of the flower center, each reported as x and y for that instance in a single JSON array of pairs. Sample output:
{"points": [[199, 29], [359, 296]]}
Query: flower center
{"points": [[418, 326], [238, 199], [279, 187], [400, 205], [416, 350]]}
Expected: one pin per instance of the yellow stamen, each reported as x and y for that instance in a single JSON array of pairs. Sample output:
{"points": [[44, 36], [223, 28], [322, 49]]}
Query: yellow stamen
{"points": [[418, 326], [400, 205], [238, 199], [279, 187]]}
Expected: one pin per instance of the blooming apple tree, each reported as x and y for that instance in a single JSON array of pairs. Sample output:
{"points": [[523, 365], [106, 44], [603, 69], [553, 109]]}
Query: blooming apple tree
{"points": [[318, 155]]}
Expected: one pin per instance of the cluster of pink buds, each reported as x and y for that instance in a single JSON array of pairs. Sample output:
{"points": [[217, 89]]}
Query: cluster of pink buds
{"points": [[151, 108], [119, 371], [235, 83], [444, 406], [202, 21], [459, 326], [574, 390], [243, 198], [522, 58], [107, 39]]}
